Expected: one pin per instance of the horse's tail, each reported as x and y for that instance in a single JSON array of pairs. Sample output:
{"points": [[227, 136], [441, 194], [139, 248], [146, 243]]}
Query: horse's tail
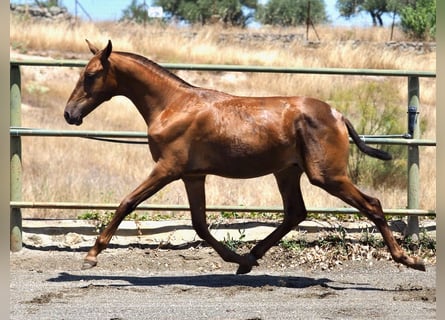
{"points": [[376, 153]]}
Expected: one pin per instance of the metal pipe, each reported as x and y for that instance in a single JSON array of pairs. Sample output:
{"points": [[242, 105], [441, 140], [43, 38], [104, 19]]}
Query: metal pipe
{"points": [[15, 160], [242, 68], [216, 208], [412, 229], [17, 131]]}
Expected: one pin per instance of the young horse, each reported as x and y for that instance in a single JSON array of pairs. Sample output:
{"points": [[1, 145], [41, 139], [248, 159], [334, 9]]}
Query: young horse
{"points": [[193, 132]]}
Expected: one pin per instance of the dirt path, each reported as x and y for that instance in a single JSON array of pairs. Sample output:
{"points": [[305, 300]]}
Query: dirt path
{"points": [[194, 283]]}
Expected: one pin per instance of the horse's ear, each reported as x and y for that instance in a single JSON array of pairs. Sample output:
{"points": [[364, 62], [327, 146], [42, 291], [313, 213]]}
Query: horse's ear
{"points": [[92, 47], [107, 51]]}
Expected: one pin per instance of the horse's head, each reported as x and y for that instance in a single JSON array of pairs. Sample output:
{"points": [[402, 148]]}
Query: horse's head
{"points": [[95, 85]]}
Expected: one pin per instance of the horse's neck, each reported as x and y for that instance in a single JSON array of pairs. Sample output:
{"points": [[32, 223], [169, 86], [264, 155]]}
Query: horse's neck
{"points": [[150, 89]]}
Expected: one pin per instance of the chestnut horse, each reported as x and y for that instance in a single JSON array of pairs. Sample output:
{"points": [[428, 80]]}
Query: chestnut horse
{"points": [[193, 132]]}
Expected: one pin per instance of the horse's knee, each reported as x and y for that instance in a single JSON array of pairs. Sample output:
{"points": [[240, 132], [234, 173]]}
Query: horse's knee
{"points": [[126, 206]]}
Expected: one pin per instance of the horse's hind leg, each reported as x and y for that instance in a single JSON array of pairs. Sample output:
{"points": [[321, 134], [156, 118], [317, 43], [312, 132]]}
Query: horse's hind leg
{"points": [[294, 211], [344, 189], [326, 150], [196, 196]]}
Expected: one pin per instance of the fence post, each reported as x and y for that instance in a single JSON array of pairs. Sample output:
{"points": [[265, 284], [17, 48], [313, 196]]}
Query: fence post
{"points": [[413, 156], [16, 160]]}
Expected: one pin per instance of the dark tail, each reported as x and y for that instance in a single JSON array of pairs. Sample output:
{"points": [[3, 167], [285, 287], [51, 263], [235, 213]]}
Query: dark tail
{"points": [[376, 153]]}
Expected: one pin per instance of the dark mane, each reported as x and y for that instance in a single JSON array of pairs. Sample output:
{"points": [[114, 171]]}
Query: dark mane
{"points": [[149, 63]]}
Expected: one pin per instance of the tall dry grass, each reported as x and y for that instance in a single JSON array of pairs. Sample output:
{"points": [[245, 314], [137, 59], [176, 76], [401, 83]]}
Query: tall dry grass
{"points": [[73, 169]]}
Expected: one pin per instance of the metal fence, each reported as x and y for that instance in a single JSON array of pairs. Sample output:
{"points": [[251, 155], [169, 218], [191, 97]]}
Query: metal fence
{"points": [[411, 139]]}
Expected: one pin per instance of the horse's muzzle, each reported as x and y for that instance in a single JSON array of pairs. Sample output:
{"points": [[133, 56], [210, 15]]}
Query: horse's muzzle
{"points": [[72, 120]]}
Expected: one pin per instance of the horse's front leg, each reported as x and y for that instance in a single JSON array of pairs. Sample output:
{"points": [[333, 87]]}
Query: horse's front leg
{"points": [[158, 178], [196, 196]]}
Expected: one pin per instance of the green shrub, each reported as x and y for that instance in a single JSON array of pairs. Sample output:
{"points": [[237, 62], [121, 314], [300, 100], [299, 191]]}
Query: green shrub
{"points": [[374, 108], [232, 243], [419, 20], [101, 218]]}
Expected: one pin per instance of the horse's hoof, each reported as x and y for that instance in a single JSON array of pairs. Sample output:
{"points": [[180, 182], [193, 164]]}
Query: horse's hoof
{"points": [[418, 264], [246, 268], [88, 264], [243, 269]]}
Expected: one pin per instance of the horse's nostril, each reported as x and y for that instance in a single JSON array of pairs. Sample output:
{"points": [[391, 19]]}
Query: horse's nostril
{"points": [[72, 119], [68, 117]]}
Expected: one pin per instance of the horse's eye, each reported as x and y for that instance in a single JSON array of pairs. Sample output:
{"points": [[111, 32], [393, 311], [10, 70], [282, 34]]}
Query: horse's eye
{"points": [[89, 78]]}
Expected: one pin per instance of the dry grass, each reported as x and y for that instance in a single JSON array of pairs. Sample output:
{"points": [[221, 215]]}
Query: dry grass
{"points": [[72, 169]]}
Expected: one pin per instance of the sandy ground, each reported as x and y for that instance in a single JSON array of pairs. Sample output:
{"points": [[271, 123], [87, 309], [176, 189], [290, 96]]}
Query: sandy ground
{"points": [[194, 283]]}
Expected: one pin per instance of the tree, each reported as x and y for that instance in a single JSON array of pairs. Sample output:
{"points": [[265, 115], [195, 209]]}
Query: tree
{"points": [[205, 11], [291, 12], [135, 12], [47, 3], [375, 8], [418, 20]]}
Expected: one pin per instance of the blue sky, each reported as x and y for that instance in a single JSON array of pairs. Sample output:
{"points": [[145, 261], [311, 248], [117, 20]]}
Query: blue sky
{"points": [[112, 10]]}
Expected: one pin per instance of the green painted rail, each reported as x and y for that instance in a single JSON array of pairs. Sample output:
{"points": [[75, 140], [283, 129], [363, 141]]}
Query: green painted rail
{"points": [[241, 68], [37, 132], [214, 208], [411, 140]]}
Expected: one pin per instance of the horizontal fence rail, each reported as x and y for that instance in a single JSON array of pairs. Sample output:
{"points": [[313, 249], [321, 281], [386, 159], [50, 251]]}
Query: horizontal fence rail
{"points": [[241, 68], [23, 132], [215, 208], [411, 139]]}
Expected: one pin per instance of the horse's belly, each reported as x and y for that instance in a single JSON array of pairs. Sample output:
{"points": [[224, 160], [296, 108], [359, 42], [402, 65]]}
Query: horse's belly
{"points": [[248, 164]]}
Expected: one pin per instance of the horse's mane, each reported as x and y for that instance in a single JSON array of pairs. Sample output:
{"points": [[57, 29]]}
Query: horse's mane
{"points": [[149, 63]]}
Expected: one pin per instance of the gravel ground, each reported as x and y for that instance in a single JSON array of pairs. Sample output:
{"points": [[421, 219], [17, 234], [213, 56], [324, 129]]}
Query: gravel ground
{"points": [[194, 283]]}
